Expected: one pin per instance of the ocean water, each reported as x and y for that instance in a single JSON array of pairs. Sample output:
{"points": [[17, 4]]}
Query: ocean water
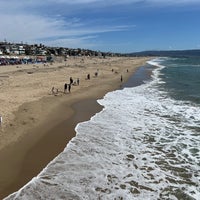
{"points": [[144, 144]]}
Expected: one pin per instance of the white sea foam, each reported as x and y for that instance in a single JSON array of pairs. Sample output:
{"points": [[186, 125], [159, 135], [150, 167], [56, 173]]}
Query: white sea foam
{"points": [[142, 145]]}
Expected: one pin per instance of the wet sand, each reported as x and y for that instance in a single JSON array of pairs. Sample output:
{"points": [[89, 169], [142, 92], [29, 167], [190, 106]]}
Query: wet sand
{"points": [[141, 75], [45, 126], [29, 162]]}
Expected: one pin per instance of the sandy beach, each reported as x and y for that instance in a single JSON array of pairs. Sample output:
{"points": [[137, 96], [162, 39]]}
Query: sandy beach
{"points": [[38, 124]]}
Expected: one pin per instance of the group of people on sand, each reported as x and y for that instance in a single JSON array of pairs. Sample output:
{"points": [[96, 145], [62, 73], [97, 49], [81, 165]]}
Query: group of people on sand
{"points": [[121, 77], [67, 86]]}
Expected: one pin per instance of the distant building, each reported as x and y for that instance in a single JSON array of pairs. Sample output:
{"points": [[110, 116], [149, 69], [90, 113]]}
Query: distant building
{"points": [[21, 50]]}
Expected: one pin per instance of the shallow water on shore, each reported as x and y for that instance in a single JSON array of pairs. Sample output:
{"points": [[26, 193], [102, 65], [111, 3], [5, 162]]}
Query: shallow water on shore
{"points": [[142, 145]]}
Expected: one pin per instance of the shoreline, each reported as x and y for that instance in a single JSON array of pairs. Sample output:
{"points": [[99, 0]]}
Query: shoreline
{"points": [[62, 111], [42, 151]]}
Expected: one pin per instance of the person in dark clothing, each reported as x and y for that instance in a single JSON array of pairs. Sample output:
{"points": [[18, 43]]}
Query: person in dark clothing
{"points": [[71, 80], [78, 81], [121, 78], [69, 88], [88, 76], [65, 87]]}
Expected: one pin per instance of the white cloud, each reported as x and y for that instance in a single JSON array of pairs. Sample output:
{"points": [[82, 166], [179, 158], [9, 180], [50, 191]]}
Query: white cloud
{"points": [[76, 42], [33, 21], [27, 27], [32, 28]]}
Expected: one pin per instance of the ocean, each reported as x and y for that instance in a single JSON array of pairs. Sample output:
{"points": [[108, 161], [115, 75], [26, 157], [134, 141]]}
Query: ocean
{"points": [[144, 144]]}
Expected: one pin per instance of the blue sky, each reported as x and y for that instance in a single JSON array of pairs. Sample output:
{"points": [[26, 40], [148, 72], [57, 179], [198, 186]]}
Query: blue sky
{"points": [[104, 25]]}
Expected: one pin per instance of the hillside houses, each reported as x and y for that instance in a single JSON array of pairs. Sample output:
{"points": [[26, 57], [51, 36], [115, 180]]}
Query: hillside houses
{"points": [[11, 49], [17, 49], [19, 53]]}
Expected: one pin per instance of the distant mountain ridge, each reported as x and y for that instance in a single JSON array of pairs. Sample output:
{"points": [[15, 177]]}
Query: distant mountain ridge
{"points": [[173, 53]]}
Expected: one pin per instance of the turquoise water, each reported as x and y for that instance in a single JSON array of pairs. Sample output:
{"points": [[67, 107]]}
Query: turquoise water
{"points": [[182, 78]]}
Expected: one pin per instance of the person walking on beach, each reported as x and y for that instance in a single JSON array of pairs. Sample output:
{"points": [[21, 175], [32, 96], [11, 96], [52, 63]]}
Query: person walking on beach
{"points": [[78, 81], [69, 88], [88, 76], [71, 80], [121, 78], [65, 87]]}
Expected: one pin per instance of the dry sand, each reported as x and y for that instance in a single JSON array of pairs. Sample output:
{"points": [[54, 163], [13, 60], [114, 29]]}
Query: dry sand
{"points": [[31, 112]]}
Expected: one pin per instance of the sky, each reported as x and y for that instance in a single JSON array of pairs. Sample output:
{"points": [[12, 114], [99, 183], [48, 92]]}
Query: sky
{"points": [[118, 26]]}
